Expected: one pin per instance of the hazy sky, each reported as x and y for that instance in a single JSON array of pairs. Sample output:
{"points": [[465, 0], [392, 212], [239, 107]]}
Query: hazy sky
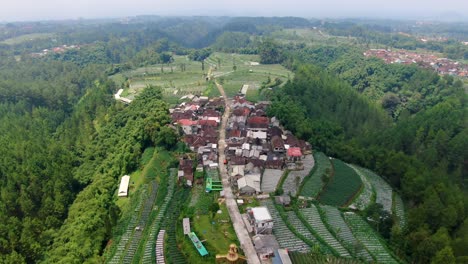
{"points": [[19, 10]]}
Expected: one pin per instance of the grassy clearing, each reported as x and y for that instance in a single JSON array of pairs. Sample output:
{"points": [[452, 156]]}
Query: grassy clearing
{"points": [[219, 235], [27, 37], [216, 237]]}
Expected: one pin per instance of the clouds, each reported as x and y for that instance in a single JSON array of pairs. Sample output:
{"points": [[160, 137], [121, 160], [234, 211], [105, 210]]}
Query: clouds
{"points": [[15, 10]]}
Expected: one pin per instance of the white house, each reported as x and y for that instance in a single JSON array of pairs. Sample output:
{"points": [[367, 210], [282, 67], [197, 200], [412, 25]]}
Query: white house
{"points": [[123, 189], [261, 220]]}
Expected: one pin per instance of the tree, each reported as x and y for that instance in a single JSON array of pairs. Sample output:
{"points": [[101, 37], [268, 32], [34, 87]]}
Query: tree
{"points": [[270, 52], [444, 256]]}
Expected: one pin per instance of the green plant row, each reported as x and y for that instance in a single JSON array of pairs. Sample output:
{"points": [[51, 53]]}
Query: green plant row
{"points": [[322, 246], [313, 182]]}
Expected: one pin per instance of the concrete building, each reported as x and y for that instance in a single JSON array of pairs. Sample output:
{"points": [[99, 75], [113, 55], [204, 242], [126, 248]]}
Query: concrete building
{"points": [[261, 220]]}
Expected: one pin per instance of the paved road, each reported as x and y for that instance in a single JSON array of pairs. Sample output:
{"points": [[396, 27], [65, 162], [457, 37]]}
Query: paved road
{"points": [[236, 218]]}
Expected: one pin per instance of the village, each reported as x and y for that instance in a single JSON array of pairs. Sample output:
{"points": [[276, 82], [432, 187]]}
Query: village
{"points": [[258, 153], [430, 61]]}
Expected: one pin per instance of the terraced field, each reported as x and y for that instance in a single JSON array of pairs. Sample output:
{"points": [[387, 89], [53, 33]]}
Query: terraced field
{"points": [[173, 254], [344, 184], [301, 258], [343, 233], [382, 189], [371, 241], [127, 235], [313, 182], [284, 236], [399, 210], [149, 245], [300, 227], [365, 197], [312, 216]]}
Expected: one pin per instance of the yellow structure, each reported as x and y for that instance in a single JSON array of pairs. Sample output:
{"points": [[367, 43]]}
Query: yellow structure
{"points": [[232, 257]]}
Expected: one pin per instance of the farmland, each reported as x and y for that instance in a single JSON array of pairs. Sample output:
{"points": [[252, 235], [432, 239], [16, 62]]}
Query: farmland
{"points": [[295, 178], [26, 38], [366, 196], [176, 82], [342, 232], [313, 183], [382, 189], [286, 238], [312, 217], [341, 188], [306, 258], [367, 236]]}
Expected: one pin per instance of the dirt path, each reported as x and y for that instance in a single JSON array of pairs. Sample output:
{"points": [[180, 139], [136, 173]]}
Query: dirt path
{"points": [[236, 218]]}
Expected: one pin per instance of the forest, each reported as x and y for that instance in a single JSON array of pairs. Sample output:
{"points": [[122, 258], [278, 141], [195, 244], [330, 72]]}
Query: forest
{"points": [[65, 141]]}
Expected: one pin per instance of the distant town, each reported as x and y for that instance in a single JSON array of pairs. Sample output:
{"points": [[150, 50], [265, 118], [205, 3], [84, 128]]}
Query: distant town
{"points": [[440, 65]]}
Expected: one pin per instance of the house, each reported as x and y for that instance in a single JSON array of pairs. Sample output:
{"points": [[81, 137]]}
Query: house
{"points": [[275, 131], [237, 171], [123, 188], [258, 123], [249, 184], [262, 135], [234, 134], [237, 161], [265, 245], [277, 144], [177, 115], [274, 164], [209, 123], [261, 220], [185, 173], [294, 154], [189, 127], [210, 114], [239, 101]]}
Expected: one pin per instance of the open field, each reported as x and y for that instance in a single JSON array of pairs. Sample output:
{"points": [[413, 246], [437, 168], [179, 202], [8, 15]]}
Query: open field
{"points": [[27, 37], [309, 35], [177, 83]]}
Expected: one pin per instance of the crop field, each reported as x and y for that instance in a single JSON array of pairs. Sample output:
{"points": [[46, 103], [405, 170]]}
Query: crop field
{"points": [[177, 83], [313, 183], [26, 38], [342, 186], [285, 237], [170, 223], [383, 191], [399, 210], [147, 248], [307, 258], [312, 216], [295, 178], [365, 198], [343, 233], [310, 36], [367, 236]]}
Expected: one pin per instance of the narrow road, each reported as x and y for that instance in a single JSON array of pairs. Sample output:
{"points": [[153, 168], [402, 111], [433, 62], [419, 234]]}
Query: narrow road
{"points": [[236, 218]]}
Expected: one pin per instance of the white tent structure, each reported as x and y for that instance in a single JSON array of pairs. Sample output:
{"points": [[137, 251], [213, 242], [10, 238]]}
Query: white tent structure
{"points": [[123, 189]]}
